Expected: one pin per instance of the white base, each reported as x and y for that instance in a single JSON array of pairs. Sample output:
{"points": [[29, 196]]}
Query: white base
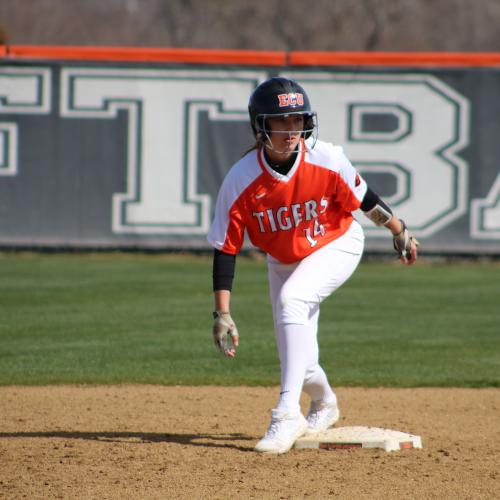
{"points": [[360, 437]]}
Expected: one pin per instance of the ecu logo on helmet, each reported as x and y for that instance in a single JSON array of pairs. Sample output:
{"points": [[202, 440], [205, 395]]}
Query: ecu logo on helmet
{"points": [[286, 100]]}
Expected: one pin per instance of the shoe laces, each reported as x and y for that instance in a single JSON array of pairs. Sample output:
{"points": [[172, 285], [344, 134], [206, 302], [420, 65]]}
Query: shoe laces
{"points": [[314, 416], [317, 412], [273, 428]]}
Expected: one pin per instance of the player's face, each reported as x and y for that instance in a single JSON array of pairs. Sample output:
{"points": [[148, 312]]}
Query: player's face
{"points": [[285, 132]]}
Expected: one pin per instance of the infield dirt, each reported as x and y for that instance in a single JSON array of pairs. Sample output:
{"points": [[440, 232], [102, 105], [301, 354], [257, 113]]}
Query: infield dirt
{"points": [[121, 442]]}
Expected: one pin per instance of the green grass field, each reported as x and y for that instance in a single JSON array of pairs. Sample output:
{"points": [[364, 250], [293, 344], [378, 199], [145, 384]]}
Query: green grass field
{"points": [[112, 318]]}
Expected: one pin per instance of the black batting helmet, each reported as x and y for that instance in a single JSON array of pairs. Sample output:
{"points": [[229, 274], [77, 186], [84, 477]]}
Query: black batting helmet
{"points": [[279, 96]]}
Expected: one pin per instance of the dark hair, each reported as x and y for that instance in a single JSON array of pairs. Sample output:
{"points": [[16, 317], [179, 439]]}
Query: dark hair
{"points": [[255, 146]]}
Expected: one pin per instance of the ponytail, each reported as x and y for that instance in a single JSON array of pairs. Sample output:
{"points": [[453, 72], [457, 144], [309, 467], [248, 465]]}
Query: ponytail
{"points": [[255, 146]]}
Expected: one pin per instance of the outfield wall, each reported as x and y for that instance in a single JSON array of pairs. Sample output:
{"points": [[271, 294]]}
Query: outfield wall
{"points": [[126, 148]]}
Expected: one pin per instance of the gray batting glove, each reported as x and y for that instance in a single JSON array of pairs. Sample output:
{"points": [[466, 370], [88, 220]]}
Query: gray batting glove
{"points": [[406, 245], [224, 326]]}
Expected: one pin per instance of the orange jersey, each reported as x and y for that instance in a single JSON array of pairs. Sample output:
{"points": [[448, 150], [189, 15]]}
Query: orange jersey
{"points": [[287, 216]]}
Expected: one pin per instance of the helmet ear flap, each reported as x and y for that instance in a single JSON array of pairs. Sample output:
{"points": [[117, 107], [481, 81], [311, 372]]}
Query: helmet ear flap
{"points": [[260, 127], [308, 126], [259, 120]]}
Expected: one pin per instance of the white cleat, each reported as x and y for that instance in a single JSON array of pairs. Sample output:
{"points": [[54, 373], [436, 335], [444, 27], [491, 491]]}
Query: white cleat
{"points": [[284, 430], [321, 416]]}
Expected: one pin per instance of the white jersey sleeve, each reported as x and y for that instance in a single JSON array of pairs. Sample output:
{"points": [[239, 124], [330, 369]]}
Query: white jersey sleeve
{"points": [[333, 157], [228, 227]]}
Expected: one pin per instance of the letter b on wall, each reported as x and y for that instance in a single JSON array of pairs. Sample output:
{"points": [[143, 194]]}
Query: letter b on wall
{"points": [[408, 127]]}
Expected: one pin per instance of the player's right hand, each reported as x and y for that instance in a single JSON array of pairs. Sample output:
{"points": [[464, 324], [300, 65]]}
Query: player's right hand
{"points": [[223, 327]]}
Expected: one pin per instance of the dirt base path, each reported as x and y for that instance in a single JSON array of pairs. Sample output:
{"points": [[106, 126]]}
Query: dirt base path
{"points": [[120, 442]]}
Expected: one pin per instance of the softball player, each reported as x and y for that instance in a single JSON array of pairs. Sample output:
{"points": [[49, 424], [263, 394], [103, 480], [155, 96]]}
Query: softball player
{"points": [[294, 195]]}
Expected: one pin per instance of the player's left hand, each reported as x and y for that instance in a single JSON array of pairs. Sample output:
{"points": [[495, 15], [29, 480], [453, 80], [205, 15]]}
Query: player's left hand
{"points": [[406, 245], [223, 327]]}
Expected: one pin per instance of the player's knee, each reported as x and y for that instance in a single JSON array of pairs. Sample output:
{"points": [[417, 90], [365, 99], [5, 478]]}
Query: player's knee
{"points": [[312, 373], [294, 308]]}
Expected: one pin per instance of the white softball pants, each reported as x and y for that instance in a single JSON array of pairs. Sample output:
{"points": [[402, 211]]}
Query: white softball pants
{"points": [[296, 293]]}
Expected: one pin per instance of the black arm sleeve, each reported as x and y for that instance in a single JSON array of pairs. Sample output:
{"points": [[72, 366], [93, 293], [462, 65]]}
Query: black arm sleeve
{"points": [[223, 270], [371, 199]]}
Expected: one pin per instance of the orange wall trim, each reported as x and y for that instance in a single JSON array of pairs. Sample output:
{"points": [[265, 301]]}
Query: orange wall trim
{"points": [[457, 59], [136, 54], [250, 57]]}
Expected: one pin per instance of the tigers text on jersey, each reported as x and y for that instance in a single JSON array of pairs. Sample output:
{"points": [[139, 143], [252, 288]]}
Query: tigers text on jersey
{"points": [[287, 216]]}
